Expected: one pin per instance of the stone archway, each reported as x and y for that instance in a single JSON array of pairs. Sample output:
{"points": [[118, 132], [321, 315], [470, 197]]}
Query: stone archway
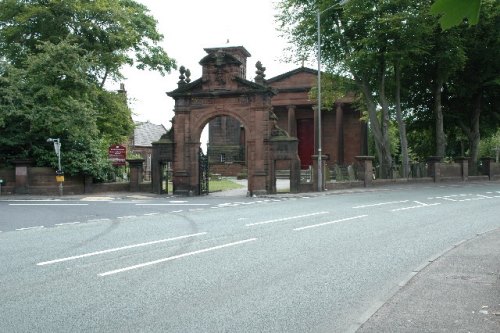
{"points": [[223, 90]]}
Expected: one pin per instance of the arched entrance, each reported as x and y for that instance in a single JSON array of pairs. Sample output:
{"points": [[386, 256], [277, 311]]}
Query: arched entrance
{"points": [[223, 90]]}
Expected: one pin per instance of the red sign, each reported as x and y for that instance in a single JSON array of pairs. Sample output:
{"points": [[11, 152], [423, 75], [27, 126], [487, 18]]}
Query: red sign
{"points": [[117, 155]]}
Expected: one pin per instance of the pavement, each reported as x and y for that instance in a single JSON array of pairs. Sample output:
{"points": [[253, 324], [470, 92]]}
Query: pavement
{"points": [[456, 291]]}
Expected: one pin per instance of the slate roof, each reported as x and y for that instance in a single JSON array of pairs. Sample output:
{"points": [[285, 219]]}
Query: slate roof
{"points": [[145, 133]]}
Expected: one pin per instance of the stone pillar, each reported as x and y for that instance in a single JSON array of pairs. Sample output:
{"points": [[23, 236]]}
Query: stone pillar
{"points": [[367, 162], [136, 166], [434, 167], [487, 166], [292, 121], [87, 184], [22, 176], [339, 134], [464, 166]]}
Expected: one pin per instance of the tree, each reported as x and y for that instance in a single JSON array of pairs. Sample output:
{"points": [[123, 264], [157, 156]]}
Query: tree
{"points": [[112, 30], [374, 42], [56, 56], [453, 12]]}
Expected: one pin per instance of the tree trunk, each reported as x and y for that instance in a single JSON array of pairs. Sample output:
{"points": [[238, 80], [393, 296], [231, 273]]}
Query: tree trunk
{"points": [[386, 164], [405, 159], [381, 146], [474, 134], [438, 113]]}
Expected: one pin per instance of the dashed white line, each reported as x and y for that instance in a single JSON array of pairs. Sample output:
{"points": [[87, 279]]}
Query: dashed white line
{"points": [[285, 219], [413, 207], [66, 223], [381, 204], [121, 270], [171, 204], [99, 220], [48, 204], [151, 214], [177, 211], [118, 249], [331, 222], [31, 228], [127, 217]]}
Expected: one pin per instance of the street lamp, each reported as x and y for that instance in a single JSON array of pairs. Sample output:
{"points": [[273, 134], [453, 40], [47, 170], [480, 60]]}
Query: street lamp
{"points": [[59, 172], [318, 54]]}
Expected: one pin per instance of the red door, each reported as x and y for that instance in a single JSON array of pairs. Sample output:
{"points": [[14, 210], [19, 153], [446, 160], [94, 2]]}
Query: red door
{"points": [[305, 134]]}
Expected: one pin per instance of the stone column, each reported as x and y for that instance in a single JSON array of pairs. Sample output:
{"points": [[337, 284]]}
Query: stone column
{"points": [[367, 162], [339, 134], [22, 176], [136, 166], [464, 166], [292, 121], [434, 167]]}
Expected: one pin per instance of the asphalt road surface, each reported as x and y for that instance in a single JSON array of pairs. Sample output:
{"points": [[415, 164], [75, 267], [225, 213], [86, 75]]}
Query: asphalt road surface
{"points": [[281, 264]]}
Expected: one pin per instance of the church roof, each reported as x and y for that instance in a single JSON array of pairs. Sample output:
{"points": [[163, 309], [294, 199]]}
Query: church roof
{"points": [[145, 133], [292, 73]]}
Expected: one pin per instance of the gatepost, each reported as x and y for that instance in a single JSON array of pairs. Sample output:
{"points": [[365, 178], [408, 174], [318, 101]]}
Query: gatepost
{"points": [[135, 165], [367, 162]]}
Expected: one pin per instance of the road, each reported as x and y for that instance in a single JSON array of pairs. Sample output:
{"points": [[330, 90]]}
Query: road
{"points": [[281, 264]]}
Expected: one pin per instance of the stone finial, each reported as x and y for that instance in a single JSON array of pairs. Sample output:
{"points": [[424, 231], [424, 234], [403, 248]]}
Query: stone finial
{"points": [[182, 78], [188, 75], [260, 73]]}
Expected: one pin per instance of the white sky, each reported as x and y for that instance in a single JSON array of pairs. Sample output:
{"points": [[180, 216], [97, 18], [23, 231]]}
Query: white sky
{"points": [[189, 26]]}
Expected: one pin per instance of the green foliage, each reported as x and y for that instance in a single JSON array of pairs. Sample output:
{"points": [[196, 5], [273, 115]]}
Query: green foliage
{"points": [[55, 57], [488, 146], [453, 12]]}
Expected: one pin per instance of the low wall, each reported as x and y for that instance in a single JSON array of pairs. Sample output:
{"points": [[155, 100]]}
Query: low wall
{"points": [[227, 169]]}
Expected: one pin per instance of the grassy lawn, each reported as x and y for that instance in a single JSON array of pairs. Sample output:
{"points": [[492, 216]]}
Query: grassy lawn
{"points": [[222, 185]]}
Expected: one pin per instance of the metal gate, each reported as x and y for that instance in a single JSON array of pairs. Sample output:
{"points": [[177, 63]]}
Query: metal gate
{"points": [[203, 172]]}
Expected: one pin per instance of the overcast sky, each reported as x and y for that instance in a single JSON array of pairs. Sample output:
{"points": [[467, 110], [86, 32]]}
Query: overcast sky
{"points": [[189, 26]]}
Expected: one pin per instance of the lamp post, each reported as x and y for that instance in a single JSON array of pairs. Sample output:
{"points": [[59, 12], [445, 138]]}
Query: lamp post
{"points": [[318, 54], [59, 172]]}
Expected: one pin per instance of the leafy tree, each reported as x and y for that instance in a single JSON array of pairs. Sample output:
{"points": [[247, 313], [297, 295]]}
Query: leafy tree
{"points": [[113, 30], [55, 58], [455, 11]]}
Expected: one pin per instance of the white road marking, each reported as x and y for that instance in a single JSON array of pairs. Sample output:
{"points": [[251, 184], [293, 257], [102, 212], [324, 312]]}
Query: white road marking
{"points": [[413, 207], [67, 223], [127, 217], [177, 211], [381, 204], [178, 201], [99, 220], [48, 204], [121, 270], [117, 249], [331, 222], [31, 228], [151, 214], [284, 219], [171, 204]]}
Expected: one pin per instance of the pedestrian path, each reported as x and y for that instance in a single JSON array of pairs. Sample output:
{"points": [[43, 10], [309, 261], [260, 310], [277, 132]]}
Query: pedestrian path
{"points": [[458, 292]]}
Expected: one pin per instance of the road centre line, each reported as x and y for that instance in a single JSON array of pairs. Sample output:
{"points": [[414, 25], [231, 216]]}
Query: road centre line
{"points": [[171, 204], [151, 214], [331, 222], [285, 219], [99, 220], [127, 217], [31, 228], [117, 249], [67, 223], [150, 263], [413, 207], [381, 204], [48, 204]]}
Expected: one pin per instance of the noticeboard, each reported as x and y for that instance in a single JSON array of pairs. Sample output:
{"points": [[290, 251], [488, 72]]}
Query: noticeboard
{"points": [[117, 155]]}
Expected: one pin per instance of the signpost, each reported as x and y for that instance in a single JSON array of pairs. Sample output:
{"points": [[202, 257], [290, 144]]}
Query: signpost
{"points": [[117, 155]]}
